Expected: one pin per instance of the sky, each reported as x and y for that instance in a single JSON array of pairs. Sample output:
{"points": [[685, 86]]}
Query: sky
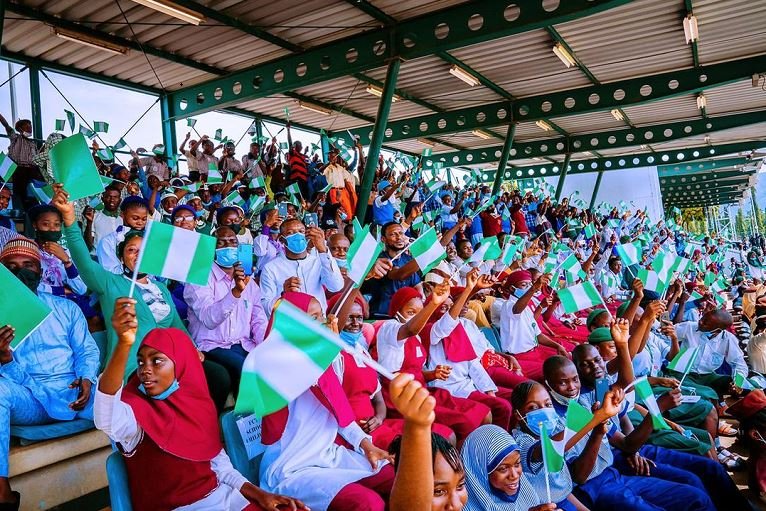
{"points": [[135, 117]]}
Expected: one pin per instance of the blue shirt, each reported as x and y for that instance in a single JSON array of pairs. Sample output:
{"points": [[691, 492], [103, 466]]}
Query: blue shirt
{"points": [[58, 352], [386, 287]]}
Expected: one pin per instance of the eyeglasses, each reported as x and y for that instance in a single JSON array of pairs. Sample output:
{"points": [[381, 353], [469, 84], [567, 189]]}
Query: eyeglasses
{"points": [[182, 219]]}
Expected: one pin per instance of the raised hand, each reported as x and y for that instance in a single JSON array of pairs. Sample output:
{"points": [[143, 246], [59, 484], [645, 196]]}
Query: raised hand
{"points": [[620, 331], [124, 320], [412, 400]]}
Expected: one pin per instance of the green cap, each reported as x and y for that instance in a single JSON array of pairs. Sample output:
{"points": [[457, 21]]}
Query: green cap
{"points": [[593, 315], [600, 335]]}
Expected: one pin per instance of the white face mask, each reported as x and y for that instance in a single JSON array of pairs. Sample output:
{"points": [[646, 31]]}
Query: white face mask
{"points": [[27, 134], [561, 399]]}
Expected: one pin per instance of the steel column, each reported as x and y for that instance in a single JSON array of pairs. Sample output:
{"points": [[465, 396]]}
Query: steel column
{"points": [[595, 188], [3, 4], [563, 176], [378, 132], [504, 159], [169, 139], [34, 95]]}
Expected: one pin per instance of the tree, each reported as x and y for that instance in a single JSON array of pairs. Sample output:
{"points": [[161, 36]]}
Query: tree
{"points": [[759, 217], [739, 224]]}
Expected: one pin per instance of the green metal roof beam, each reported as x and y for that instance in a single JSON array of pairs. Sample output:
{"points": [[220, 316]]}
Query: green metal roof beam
{"points": [[724, 174], [595, 98], [39, 15], [629, 161], [232, 22], [683, 169], [610, 139], [695, 48], [441, 30], [559, 39], [708, 185]]}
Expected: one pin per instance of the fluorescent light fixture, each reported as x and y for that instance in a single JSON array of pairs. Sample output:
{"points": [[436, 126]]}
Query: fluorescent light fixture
{"points": [[691, 31], [377, 91], [563, 54], [643, 146], [701, 101], [481, 134], [707, 139], [464, 75], [311, 107], [87, 40], [617, 114], [543, 125], [171, 9], [427, 142]]}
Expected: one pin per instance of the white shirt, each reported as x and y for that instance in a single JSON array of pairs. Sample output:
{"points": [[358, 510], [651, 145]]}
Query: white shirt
{"points": [[713, 352], [465, 377], [518, 332], [648, 361], [106, 252], [317, 271], [391, 349], [337, 175], [495, 311], [116, 419], [104, 225], [264, 251], [448, 218]]}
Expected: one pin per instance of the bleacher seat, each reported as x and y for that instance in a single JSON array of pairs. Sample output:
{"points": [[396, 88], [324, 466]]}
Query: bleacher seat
{"points": [[235, 448], [40, 432], [492, 337], [117, 475]]}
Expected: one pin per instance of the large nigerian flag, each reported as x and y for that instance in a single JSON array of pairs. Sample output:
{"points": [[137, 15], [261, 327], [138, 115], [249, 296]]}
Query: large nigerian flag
{"points": [[177, 254], [362, 254], [645, 394], [579, 297], [73, 166], [19, 307], [684, 360], [630, 253], [488, 250], [427, 250], [651, 281], [287, 363]]}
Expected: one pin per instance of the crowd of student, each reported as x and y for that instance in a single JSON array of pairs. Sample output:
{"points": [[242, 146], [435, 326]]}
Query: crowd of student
{"points": [[487, 359]]}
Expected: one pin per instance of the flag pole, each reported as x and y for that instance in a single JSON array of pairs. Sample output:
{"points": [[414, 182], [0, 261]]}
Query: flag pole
{"points": [[545, 465], [140, 257], [694, 359]]}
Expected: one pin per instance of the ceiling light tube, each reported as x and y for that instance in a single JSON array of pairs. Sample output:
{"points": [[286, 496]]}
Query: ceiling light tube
{"points": [[617, 114], [311, 107], [691, 30], [464, 75], [378, 92], [563, 54], [87, 40], [481, 134], [543, 125], [171, 9], [701, 102]]}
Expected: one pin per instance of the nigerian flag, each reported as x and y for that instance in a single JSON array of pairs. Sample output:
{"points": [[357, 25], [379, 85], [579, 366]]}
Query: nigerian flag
{"points": [[578, 297], [614, 223], [652, 281], [553, 458], [427, 250], [100, 126], [213, 174], [744, 382], [630, 253], [287, 363], [234, 199], [293, 189], [684, 360], [362, 254], [666, 263], [590, 230], [488, 250], [87, 132], [258, 182], [513, 244], [120, 144], [572, 266], [326, 188], [177, 254], [60, 124], [435, 185], [645, 394], [7, 167]]}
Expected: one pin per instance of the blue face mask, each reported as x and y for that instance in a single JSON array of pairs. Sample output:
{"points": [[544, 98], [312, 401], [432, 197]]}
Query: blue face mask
{"points": [[199, 213], [296, 243], [164, 395], [709, 335], [343, 216], [546, 416], [350, 338], [518, 293], [226, 257], [342, 263]]}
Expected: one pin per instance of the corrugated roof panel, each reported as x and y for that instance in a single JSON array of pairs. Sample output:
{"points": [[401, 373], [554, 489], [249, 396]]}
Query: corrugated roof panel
{"points": [[730, 30], [402, 10], [735, 97], [637, 39], [666, 110], [588, 123]]}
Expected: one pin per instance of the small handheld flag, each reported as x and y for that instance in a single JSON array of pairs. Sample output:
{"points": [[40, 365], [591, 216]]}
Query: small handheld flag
{"points": [[7, 167], [100, 126], [20, 307], [578, 297], [362, 254], [427, 250]]}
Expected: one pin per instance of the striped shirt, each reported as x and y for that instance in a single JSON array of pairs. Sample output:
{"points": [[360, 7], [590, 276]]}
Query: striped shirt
{"points": [[298, 164], [22, 150], [560, 482]]}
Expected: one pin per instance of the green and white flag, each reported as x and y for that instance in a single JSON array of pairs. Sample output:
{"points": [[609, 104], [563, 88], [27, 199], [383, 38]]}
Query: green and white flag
{"points": [[87, 132], [645, 394], [258, 182], [213, 174], [70, 120], [19, 307], [105, 154], [218, 135], [191, 122], [513, 246], [553, 458], [73, 166], [43, 192], [7, 167], [100, 126], [590, 230], [666, 263], [578, 297], [427, 250], [362, 254], [577, 417], [488, 250], [177, 254], [551, 262], [676, 211], [684, 360], [192, 188], [287, 363], [651, 281], [744, 382], [257, 205], [120, 144], [285, 146], [293, 189], [435, 185], [630, 253], [427, 152], [610, 281], [572, 267], [60, 124], [234, 199], [614, 223]]}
